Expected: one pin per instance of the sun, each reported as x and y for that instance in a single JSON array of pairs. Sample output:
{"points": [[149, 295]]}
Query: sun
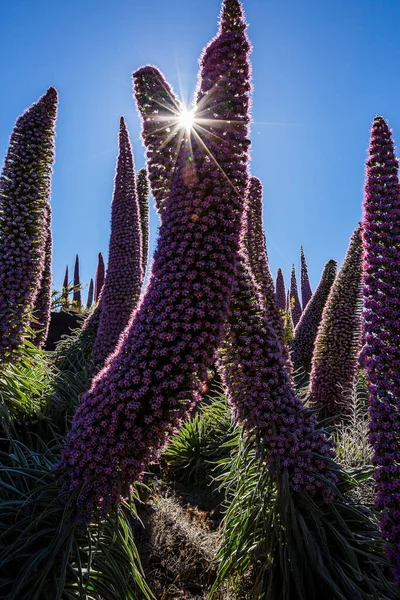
{"points": [[186, 119]]}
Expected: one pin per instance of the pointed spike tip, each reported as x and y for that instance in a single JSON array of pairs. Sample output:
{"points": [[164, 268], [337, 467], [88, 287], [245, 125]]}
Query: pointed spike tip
{"points": [[232, 16]]}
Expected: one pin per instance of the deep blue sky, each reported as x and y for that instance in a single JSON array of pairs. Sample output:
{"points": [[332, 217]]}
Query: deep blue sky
{"points": [[321, 72]]}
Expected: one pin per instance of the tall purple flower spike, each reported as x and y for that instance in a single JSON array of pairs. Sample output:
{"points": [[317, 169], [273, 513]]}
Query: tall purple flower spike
{"points": [[280, 292], [100, 276], [334, 362], [25, 186], [124, 279], [294, 298], [142, 190], [90, 296], [163, 358], [77, 298], [306, 291], [42, 308], [255, 375], [302, 345], [64, 293], [257, 253], [381, 263]]}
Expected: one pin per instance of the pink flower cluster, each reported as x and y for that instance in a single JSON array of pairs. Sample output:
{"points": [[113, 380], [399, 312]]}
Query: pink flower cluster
{"points": [[25, 185], [161, 363], [336, 348], [122, 286], [302, 345], [381, 263]]}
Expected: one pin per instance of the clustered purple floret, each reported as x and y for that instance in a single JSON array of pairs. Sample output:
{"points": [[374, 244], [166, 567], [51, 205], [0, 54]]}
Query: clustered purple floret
{"points": [[302, 345], [306, 291], [142, 190], [76, 297], [122, 286], [381, 264], [99, 279], [258, 259], [256, 378], [163, 357], [25, 185], [90, 295], [334, 362], [295, 305], [280, 292], [42, 307]]}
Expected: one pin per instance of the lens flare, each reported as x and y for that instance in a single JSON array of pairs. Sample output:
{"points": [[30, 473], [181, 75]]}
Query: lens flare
{"points": [[186, 119]]}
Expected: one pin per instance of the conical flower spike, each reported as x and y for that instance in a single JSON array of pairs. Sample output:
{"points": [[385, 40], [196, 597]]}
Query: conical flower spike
{"points": [[24, 199]]}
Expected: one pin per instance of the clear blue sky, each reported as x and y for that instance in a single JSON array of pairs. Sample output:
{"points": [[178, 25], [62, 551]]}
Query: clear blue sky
{"points": [[321, 72]]}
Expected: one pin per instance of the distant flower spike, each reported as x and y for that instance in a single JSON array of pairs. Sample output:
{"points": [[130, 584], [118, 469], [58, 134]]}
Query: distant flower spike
{"points": [[90, 296], [65, 294], [123, 283], [306, 291], [288, 322], [164, 356], [142, 189], [336, 348], [305, 332], [257, 253], [280, 292], [381, 235], [24, 198], [77, 298], [100, 276], [294, 298]]}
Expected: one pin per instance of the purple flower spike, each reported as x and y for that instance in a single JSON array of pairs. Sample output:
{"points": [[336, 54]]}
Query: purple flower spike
{"points": [[123, 283], [302, 346], [100, 276], [42, 308], [142, 190], [257, 253], [259, 387], [65, 295], [381, 263], [336, 348], [280, 292], [288, 322], [90, 296], [163, 357], [306, 291], [295, 305], [25, 185], [77, 299]]}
